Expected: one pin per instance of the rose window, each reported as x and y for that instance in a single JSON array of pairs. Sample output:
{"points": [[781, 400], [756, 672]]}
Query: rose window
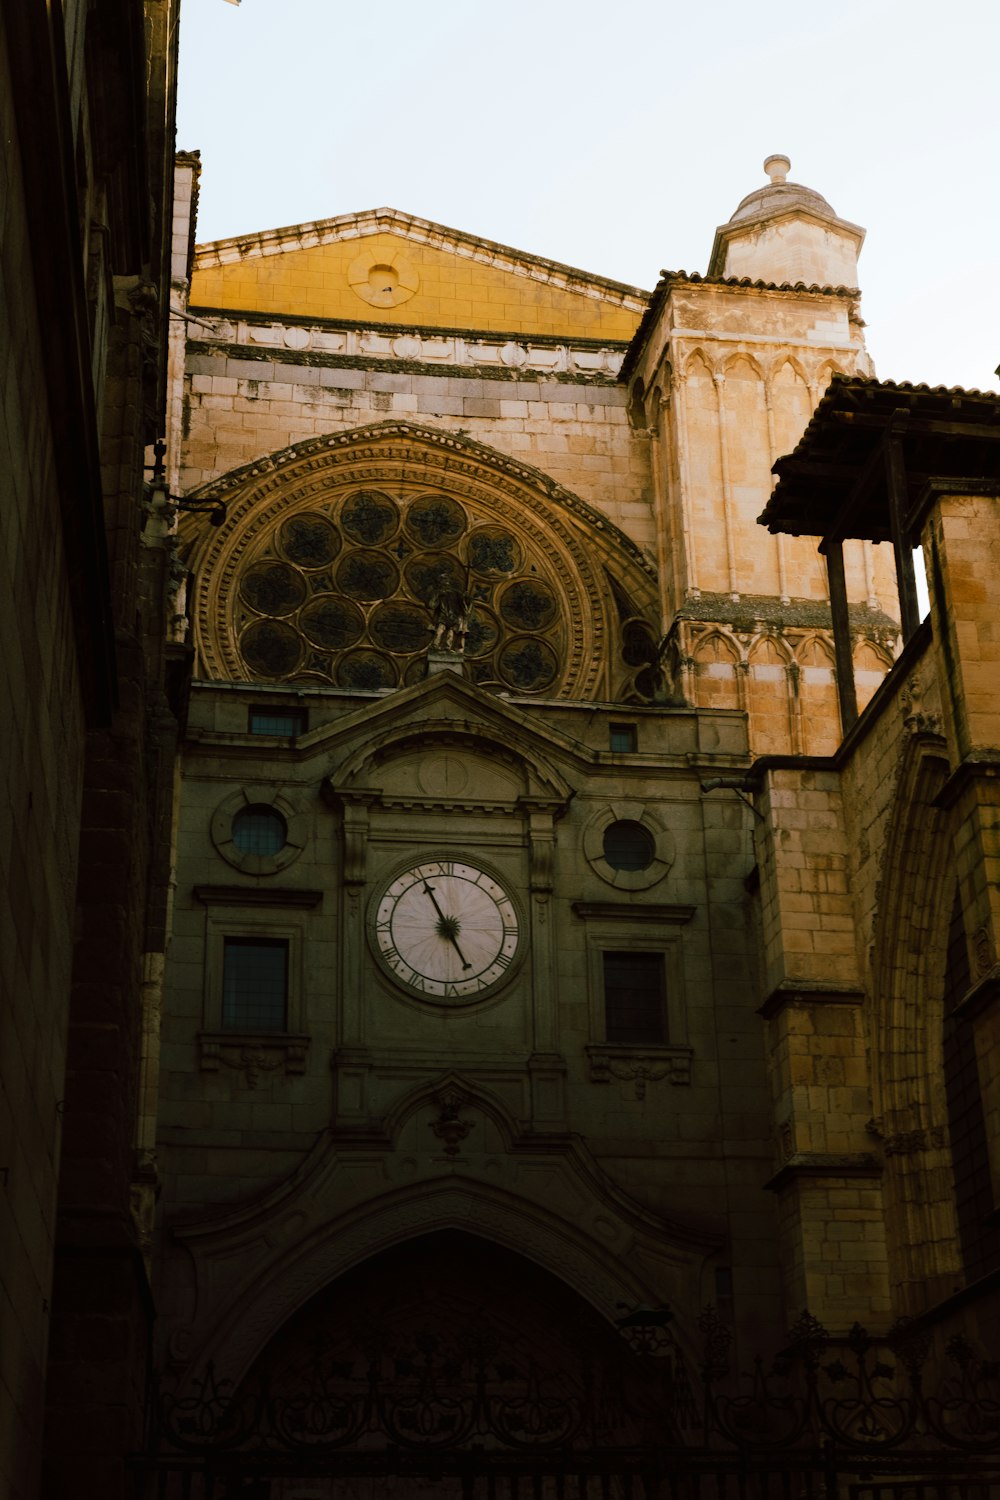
{"points": [[344, 593]]}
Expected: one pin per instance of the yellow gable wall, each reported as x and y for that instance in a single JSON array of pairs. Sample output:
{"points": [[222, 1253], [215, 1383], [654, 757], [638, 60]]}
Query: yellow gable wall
{"points": [[384, 278]]}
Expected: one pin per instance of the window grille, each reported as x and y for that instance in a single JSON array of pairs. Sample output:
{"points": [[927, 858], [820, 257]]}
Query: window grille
{"points": [[628, 845], [259, 830], [255, 984], [634, 998]]}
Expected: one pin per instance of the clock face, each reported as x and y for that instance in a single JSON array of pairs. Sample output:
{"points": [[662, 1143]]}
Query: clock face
{"points": [[446, 930]]}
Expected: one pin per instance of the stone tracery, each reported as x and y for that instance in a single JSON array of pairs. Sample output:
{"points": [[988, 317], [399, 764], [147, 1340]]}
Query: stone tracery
{"points": [[331, 575]]}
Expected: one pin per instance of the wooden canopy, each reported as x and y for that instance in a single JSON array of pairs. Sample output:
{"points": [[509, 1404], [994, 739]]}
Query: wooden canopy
{"points": [[839, 481], [871, 452]]}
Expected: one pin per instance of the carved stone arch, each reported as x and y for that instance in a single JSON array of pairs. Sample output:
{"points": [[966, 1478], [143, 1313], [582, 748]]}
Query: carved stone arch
{"points": [[780, 364], [467, 1091], [257, 1264], [699, 365], [715, 645], [826, 372], [717, 661], [769, 692], [811, 646], [905, 1030], [736, 363], [766, 642], [327, 566], [397, 739], [637, 404], [872, 661], [871, 654]]}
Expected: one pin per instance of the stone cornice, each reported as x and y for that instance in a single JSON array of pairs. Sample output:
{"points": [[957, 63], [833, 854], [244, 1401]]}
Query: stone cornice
{"points": [[633, 911], [256, 895], [823, 1164], [801, 992]]}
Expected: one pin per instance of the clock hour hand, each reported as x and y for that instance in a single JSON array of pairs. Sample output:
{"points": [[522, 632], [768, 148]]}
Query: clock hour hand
{"points": [[447, 926]]}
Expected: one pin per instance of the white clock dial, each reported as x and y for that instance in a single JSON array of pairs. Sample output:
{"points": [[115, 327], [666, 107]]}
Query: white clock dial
{"points": [[446, 929]]}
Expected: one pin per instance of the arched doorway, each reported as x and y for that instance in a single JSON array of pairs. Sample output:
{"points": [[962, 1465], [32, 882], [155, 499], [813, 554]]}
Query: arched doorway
{"points": [[436, 1363]]}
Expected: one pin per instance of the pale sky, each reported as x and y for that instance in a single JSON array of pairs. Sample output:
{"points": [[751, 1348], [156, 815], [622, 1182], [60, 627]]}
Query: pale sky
{"points": [[616, 137]]}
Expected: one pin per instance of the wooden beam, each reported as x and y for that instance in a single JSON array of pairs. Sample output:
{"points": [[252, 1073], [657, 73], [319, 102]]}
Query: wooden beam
{"points": [[843, 654], [895, 474], [934, 426]]}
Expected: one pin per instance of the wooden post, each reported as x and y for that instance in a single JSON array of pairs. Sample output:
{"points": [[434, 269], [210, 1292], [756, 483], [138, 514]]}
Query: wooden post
{"points": [[834, 552], [906, 583]]}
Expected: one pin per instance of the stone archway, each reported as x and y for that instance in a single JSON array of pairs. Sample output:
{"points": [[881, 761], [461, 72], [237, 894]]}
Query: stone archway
{"points": [[905, 1031], [446, 1343]]}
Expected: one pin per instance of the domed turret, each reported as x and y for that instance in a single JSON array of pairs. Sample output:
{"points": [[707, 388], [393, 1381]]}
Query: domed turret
{"points": [[787, 232]]}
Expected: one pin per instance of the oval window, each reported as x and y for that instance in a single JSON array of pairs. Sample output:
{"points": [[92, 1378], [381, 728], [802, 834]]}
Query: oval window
{"points": [[628, 845], [259, 830]]}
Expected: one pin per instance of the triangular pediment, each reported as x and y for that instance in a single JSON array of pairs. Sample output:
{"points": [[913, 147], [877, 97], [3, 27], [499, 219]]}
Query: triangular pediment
{"points": [[444, 709], [387, 267]]}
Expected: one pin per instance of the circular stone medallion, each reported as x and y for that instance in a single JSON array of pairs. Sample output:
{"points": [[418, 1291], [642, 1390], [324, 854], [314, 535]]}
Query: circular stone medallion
{"points": [[528, 665], [367, 575], [309, 540], [638, 645], [271, 648], [528, 605], [369, 517], [272, 588], [493, 550], [482, 633], [423, 573], [331, 622], [400, 627], [365, 669], [434, 521]]}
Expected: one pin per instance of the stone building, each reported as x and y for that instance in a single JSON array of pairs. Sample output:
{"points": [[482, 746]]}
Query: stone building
{"points": [[87, 738], [567, 903], [541, 896]]}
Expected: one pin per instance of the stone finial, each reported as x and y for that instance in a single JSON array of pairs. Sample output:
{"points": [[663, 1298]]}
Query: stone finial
{"points": [[777, 168]]}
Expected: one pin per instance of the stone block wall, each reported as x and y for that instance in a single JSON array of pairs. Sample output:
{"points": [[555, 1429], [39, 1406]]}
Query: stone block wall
{"points": [[244, 401], [42, 733]]}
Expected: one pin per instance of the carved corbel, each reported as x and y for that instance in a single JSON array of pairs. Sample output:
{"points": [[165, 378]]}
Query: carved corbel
{"points": [[354, 809], [541, 815]]}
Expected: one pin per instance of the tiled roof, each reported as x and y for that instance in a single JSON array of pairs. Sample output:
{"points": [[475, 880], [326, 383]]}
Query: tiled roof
{"points": [[946, 432]]}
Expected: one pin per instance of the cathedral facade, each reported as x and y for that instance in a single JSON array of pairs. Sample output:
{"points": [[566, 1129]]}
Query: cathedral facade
{"points": [[518, 941], [529, 950]]}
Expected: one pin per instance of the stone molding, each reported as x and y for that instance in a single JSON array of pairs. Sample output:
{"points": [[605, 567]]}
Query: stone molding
{"points": [[628, 911], [255, 895], [331, 345]]}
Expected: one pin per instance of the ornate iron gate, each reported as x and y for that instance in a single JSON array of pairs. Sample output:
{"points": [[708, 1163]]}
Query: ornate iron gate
{"points": [[849, 1419]]}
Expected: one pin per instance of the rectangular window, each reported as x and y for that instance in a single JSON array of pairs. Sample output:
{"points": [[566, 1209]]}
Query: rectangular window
{"points": [[254, 984], [284, 721], [624, 738], [634, 999]]}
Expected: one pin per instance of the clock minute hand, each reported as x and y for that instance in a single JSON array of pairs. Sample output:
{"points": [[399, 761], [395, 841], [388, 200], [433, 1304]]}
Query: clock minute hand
{"points": [[447, 926]]}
